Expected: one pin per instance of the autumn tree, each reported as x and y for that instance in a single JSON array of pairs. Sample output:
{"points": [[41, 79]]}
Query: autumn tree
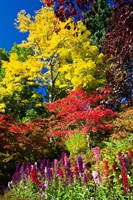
{"points": [[80, 111], [119, 45], [66, 58], [94, 14], [21, 142], [18, 96]]}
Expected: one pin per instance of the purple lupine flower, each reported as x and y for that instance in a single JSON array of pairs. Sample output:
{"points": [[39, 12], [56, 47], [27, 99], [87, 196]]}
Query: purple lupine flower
{"points": [[47, 163], [27, 170], [80, 164], [22, 168], [15, 178], [122, 161], [68, 169], [17, 167], [24, 165], [86, 178], [42, 165], [64, 158], [96, 177], [49, 173]]}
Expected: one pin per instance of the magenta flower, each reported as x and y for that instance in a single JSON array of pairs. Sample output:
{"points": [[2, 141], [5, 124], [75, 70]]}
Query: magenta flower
{"points": [[96, 152], [64, 158]]}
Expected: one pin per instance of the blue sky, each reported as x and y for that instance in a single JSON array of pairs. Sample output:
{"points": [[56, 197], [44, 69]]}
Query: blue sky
{"points": [[8, 13]]}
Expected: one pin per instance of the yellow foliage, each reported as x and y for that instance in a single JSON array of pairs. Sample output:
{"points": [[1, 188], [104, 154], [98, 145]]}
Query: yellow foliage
{"points": [[18, 74], [2, 107], [63, 48]]}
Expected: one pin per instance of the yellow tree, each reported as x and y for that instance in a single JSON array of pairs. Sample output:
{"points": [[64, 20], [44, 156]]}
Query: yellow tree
{"points": [[63, 56], [16, 86]]}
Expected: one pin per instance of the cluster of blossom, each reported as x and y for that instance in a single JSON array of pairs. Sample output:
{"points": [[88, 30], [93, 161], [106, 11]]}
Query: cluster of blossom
{"points": [[69, 172], [45, 172]]}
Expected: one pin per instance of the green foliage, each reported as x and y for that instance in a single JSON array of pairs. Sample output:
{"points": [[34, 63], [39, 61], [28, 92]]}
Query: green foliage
{"points": [[25, 190], [111, 149], [4, 56], [30, 115], [76, 143], [22, 52], [71, 192], [21, 105], [97, 21], [122, 145]]}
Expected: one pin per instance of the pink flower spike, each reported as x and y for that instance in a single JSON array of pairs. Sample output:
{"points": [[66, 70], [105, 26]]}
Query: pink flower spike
{"points": [[96, 152]]}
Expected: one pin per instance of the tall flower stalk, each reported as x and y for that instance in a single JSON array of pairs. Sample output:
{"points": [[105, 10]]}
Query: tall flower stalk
{"points": [[124, 172]]}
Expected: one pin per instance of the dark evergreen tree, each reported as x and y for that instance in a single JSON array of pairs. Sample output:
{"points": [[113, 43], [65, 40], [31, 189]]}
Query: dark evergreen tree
{"points": [[96, 21]]}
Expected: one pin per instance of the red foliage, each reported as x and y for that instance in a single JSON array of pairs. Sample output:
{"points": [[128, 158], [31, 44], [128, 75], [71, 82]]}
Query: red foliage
{"points": [[119, 44], [65, 8], [18, 141], [48, 2], [119, 38], [81, 111]]}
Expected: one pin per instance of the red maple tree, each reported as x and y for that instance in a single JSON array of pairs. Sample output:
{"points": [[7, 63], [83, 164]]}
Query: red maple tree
{"points": [[81, 111]]}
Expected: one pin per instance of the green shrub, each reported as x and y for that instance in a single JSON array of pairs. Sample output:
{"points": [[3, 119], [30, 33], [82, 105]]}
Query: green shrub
{"points": [[76, 143]]}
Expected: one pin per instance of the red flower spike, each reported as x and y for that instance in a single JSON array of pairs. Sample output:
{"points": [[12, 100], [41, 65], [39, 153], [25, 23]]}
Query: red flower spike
{"points": [[34, 176], [114, 167], [130, 152], [106, 168], [125, 181], [60, 172]]}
